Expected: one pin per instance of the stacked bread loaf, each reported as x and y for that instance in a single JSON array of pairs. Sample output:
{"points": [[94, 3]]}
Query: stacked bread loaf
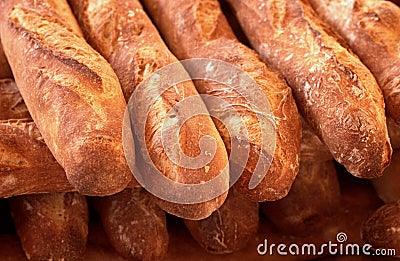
{"points": [[77, 76]]}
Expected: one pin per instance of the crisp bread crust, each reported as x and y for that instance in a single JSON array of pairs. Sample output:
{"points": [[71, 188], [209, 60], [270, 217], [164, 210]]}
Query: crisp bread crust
{"points": [[198, 29], [73, 96], [334, 91], [371, 29], [51, 226]]}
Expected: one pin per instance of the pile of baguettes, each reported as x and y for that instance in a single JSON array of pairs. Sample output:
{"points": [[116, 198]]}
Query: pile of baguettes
{"points": [[329, 69]]}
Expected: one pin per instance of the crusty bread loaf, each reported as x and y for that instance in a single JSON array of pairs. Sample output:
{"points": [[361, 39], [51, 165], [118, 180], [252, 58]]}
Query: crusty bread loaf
{"points": [[335, 92], [313, 199], [72, 93], [51, 226], [388, 186], [135, 226], [126, 37], [312, 149], [382, 229], [229, 228], [198, 29], [5, 70], [12, 105], [371, 29]]}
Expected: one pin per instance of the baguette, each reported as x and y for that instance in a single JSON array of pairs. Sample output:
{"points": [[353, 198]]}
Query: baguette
{"points": [[12, 105], [382, 229], [301, 212], [51, 226], [135, 226], [371, 29], [388, 186], [72, 94], [5, 70], [126, 37], [335, 92], [198, 29], [229, 228]]}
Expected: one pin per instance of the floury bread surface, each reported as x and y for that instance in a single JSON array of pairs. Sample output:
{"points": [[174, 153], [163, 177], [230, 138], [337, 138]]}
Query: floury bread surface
{"points": [[337, 95], [371, 29], [72, 93]]}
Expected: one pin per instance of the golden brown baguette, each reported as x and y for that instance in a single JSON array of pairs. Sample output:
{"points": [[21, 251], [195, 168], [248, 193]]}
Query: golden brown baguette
{"points": [[312, 149], [335, 92], [313, 199], [126, 37], [12, 105], [5, 70], [26, 164], [229, 228], [199, 29], [135, 226], [51, 226], [382, 229], [388, 186], [72, 93], [371, 29]]}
